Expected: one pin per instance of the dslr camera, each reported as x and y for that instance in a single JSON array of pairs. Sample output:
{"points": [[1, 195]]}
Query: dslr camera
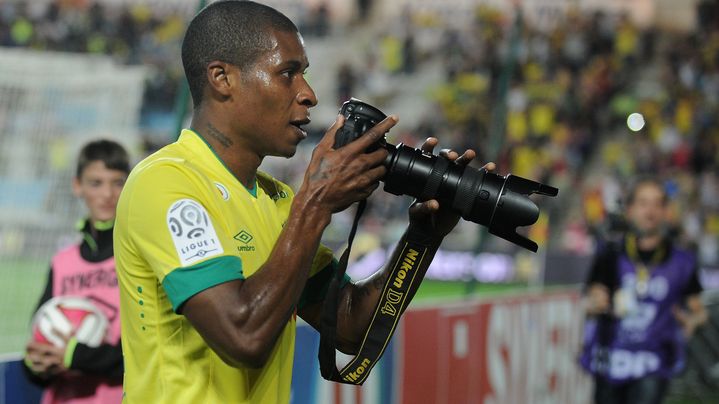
{"points": [[500, 203]]}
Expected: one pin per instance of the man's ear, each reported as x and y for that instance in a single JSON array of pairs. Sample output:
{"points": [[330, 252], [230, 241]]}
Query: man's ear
{"points": [[220, 78], [76, 187]]}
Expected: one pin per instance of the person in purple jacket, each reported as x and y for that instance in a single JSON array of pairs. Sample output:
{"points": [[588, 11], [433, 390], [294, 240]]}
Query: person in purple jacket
{"points": [[643, 302]]}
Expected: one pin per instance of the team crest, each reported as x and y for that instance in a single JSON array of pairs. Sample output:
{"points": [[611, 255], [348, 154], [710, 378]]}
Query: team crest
{"points": [[223, 191]]}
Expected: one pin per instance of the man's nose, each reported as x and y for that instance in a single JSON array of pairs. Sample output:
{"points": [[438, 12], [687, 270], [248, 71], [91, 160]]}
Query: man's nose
{"points": [[307, 96], [106, 190]]}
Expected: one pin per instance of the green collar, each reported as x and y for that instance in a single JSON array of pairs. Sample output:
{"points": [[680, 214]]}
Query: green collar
{"points": [[100, 225], [253, 190], [86, 226], [103, 225]]}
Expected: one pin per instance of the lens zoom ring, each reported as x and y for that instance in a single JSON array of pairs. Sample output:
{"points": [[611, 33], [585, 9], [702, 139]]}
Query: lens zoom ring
{"points": [[435, 179], [463, 198]]}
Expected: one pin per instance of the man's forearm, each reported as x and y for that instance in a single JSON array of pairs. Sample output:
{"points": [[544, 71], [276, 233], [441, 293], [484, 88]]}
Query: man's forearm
{"points": [[358, 301], [241, 320], [274, 290]]}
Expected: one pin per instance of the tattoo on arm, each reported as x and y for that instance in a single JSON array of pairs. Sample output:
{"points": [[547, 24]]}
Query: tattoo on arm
{"points": [[219, 136], [320, 174], [379, 282]]}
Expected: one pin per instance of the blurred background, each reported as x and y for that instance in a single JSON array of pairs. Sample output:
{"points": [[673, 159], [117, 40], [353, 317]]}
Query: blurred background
{"points": [[583, 95]]}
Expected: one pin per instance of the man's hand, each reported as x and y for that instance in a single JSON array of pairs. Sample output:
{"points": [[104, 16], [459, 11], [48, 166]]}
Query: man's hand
{"points": [[597, 300], [45, 360], [429, 216], [692, 317], [241, 320], [337, 178]]}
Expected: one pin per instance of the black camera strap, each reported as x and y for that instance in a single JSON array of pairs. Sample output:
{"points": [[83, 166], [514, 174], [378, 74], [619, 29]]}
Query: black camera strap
{"points": [[401, 284]]}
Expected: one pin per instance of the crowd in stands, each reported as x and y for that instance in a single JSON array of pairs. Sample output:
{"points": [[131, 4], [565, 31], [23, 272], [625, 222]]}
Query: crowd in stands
{"points": [[567, 92], [143, 33], [137, 34], [548, 104]]}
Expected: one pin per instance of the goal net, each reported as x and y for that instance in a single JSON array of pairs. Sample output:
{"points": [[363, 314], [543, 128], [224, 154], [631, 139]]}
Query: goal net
{"points": [[51, 104]]}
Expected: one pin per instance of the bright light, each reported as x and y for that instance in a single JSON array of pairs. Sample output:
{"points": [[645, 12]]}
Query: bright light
{"points": [[635, 121]]}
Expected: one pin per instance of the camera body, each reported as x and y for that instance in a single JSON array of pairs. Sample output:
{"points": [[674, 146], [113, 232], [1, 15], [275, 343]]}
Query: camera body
{"points": [[499, 202]]}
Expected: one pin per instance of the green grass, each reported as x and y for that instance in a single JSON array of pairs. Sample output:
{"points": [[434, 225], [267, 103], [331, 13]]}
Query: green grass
{"points": [[431, 290], [21, 283]]}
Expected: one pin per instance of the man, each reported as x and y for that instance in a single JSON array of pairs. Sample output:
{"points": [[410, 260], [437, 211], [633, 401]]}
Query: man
{"points": [[215, 258], [644, 298], [76, 372]]}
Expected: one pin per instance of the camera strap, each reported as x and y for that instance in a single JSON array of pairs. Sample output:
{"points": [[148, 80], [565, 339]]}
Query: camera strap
{"points": [[401, 283]]}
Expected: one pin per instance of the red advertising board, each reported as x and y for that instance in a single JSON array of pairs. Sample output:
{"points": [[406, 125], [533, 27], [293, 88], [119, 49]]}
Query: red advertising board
{"points": [[519, 349]]}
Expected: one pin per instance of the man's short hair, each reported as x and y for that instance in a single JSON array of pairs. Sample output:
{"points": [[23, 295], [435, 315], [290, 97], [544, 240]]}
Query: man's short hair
{"points": [[112, 154], [643, 181], [230, 31]]}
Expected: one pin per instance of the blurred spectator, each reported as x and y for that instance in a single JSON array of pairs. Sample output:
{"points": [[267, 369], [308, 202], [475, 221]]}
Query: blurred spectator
{"points": [[346, 81], [317, 22], [80, 371], [363, 8], [644, 295]]}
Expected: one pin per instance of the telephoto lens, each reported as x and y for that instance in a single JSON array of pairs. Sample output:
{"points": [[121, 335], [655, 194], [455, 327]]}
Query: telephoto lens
{"points": [[500, 203]]}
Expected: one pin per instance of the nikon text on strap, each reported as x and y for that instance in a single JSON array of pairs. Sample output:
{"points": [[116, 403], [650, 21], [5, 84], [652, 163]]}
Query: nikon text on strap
{"points": [[400, 285]]}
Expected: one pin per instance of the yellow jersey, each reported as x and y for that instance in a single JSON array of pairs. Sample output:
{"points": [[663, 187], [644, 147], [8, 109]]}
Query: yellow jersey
{"points": [[185, 224]]}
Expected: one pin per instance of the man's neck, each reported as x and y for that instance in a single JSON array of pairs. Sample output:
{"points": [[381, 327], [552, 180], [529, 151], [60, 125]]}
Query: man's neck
{"points": [[648, 243], [239, 159]]}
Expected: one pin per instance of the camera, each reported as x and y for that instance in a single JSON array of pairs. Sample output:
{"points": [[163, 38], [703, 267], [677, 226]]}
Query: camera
{"points": [[500, 203]]}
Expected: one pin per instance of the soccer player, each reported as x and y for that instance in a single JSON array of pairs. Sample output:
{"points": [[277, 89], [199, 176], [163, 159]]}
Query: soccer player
{"points": [[215, 258], [644, 296], [78, 373]]}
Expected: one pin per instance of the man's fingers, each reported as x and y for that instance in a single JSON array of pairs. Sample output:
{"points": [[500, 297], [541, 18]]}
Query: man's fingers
{"points": [[328, 140], [462, 160], [466, 157], [376, 157], [449, 154], [64, 337], [372, 136], [39, 348], [424, 208], [490, 166], [374, 174], [429, 144], [370, 189]]}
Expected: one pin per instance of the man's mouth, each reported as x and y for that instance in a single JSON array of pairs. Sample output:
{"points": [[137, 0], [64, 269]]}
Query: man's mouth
{"points": [[299, 123]]}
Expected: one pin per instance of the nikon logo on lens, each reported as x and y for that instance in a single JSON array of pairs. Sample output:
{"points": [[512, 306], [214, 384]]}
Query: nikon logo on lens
{"points": [[500, 203]]}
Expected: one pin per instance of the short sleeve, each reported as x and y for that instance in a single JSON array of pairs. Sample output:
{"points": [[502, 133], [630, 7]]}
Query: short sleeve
{"points": [[323, 269], [604, 267], [175, 228], [694, 287]]}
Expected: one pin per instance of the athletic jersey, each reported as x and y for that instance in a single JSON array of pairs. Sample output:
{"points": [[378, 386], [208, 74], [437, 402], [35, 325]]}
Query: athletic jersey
{"points": [[647, 341], [185, 224]]}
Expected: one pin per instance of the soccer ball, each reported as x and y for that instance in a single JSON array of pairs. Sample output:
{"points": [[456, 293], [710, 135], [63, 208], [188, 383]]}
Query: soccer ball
{"points": [[72, 316]]}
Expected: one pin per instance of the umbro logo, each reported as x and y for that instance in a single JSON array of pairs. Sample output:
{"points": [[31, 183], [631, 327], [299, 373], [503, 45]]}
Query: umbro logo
{"points": [[244, 237]]}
